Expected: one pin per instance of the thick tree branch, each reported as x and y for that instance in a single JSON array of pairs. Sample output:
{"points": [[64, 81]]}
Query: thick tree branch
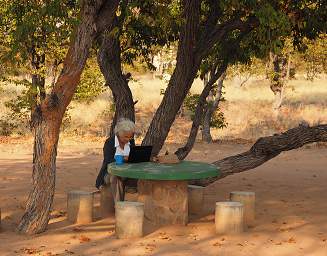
{"points": [[267, 148], [105, 16], [220, 31]]}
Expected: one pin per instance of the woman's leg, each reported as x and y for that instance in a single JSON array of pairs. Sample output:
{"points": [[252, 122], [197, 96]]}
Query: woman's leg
{"points": [[117, 187]]}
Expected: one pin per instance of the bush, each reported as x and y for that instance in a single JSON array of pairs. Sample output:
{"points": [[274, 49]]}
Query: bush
{"points": [[7, 127], [217, 120], [92, 83]]}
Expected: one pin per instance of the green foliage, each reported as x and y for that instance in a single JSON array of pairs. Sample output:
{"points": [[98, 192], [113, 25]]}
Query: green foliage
{"points": [[315, 57], [245, 71], [39, 27], [17, 120], [21, 105], [144, 25], [191, 102], [7, 126], [91, 84], [217, 120]]}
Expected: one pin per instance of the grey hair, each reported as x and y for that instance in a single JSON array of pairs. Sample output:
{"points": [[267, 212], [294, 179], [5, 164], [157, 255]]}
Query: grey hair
{"points": [[124, 125]]}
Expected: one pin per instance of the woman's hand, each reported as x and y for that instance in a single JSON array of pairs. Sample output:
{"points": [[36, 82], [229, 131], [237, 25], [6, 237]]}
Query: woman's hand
{"points": [[154, 159]]}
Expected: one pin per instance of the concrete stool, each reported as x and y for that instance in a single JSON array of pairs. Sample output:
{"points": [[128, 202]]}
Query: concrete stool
{"points": [[229, 218], [107, 205], [129, 219], [248, 201], [80, 206], [195, 199]]}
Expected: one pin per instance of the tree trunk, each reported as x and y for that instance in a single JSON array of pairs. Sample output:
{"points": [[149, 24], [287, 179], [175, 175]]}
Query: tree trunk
{"points": [[47, 117], [39, 202], [267, 148], [37, 90], [199, 111], [180, 82], [206, 135], [193, 47], [288, 68], [110, 65], [277, 80], [278, 98]]}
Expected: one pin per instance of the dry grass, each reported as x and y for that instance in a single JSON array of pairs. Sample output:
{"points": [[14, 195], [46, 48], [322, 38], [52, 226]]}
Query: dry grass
{"points": [[248, 109], [249, 112]]}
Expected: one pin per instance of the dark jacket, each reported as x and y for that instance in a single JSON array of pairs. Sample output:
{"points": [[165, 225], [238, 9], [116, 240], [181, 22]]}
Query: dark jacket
{"points": [[109, 151]]}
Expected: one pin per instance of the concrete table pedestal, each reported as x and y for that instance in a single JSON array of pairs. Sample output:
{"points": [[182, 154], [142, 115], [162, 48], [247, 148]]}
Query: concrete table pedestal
{"points": [[165, 202]]}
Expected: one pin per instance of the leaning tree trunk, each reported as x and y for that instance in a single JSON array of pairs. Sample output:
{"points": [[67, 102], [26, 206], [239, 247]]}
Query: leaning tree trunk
{"points": [[199, 111], [193, 47], [206, 135], [201, 107], [110, 65], [181, 81], [267, 148], [47, 117]]}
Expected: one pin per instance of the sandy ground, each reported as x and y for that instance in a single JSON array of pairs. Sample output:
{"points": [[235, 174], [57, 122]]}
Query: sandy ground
{"points": [[291, 207]]}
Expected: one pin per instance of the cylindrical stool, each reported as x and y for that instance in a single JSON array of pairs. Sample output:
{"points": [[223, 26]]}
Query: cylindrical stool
{"points": [[129, 219], [229, 217], [80, 206], [195, 199], [107, 205], [248, 201]]}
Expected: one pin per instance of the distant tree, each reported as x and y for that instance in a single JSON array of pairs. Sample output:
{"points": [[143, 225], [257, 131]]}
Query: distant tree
{"points": [[252, 68], [314, 55]]}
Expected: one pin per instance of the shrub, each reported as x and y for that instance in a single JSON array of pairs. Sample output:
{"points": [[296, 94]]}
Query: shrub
{"points": [[217, 120]]}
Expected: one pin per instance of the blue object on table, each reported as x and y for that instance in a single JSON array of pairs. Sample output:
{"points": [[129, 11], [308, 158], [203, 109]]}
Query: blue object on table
{"points": [[119, 159]]}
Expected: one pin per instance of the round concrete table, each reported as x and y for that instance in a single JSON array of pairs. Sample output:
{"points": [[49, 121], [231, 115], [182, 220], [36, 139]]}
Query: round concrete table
{"points": [[163, 187]]}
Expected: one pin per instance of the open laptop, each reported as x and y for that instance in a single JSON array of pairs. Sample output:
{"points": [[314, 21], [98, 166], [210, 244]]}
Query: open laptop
{"points": [[139, 154]]}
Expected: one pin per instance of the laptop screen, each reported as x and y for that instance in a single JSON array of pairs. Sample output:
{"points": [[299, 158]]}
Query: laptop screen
{"points": [[140, 154]]}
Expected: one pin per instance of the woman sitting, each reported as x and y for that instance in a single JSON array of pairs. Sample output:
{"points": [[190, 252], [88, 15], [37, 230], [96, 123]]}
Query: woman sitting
{"points": [[119, 144]]}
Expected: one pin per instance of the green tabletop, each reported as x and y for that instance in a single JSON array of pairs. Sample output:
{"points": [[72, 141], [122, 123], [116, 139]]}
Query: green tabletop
{"points": [[185, 170]]}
